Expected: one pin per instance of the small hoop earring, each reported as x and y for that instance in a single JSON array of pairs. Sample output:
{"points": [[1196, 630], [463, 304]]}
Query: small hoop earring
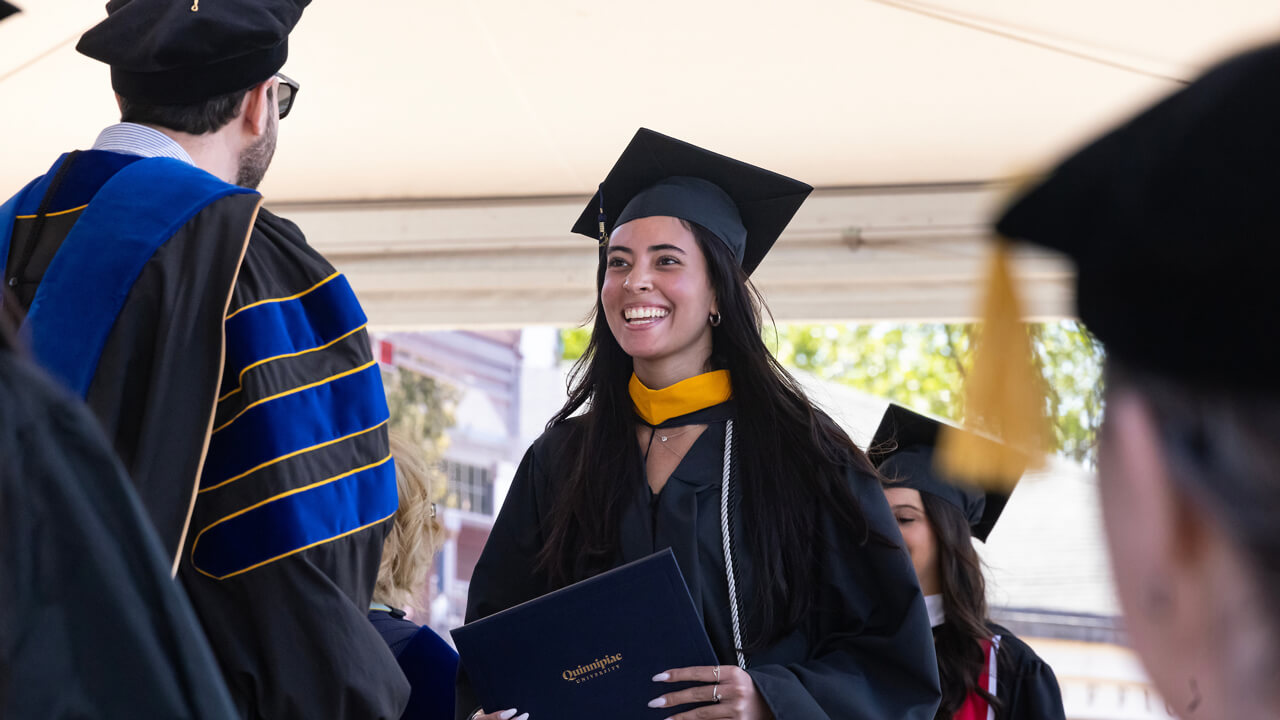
{"points": [[714, 319]]}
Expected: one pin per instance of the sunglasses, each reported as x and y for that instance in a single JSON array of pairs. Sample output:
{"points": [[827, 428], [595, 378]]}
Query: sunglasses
{"points": [[286, 94]]}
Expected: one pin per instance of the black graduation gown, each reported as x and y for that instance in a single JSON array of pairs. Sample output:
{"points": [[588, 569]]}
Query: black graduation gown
{"points": [[867, 652], [233, 473], [1025, 684], [91, 624]]}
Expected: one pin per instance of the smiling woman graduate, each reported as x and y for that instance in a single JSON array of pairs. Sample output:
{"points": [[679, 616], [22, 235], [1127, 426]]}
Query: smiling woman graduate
{"points": [[816, 613]]}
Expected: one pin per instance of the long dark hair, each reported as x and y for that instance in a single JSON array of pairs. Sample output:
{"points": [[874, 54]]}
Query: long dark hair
{"points": [[790, 457], [958, 640]]}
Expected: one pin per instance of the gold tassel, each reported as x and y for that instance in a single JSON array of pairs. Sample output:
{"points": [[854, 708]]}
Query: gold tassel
{"points": [[1004, 395]]}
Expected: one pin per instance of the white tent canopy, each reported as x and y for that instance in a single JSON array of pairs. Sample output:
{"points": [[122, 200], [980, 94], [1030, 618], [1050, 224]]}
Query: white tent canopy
{"points": [[439, 151]]}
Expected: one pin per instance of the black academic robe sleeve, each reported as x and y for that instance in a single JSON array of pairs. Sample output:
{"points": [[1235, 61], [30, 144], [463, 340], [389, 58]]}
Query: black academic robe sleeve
{"points": [[505, 574], [91, 624], [291, 633], [875, 657], [1025, 683]]}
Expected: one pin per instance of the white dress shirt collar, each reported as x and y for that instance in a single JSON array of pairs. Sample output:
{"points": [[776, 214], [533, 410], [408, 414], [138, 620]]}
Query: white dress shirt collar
{"points": [[135, 139]]}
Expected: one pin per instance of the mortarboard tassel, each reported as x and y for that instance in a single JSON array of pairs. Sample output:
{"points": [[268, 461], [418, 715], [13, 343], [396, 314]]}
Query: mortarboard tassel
{"points": [[1004, 394], [604, 234]]}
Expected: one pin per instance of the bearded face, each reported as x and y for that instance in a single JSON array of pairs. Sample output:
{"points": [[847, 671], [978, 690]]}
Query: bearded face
{"points": [[255, 159]]}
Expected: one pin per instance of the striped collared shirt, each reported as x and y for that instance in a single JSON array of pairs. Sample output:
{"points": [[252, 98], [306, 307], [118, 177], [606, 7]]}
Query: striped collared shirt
{"points": [[135, 139]]}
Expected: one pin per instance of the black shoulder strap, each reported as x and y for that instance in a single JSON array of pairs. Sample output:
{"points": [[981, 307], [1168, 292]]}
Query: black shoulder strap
{"points": [[8, 323], [18, 270]]}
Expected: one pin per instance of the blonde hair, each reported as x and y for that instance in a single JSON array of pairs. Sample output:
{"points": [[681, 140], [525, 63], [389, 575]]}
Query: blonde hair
{"points": [[415, 536]]}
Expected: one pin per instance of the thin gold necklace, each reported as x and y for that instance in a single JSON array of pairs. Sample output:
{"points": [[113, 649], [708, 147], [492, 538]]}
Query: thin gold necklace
{"points": [[668, 436]]}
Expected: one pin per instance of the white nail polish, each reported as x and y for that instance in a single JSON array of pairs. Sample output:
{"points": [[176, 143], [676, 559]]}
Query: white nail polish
{"points": [[661, 677], [525, 716], [658, 702], [508, 714]]}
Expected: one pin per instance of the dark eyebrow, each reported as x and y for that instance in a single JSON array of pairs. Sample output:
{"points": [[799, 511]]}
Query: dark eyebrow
{"points": [[654, 248], [904, 506]]}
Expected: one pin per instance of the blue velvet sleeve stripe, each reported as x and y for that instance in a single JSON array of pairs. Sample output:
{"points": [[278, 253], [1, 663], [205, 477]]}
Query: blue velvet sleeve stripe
{"points": [[278, 328], [294, 521], [90, 277], [295, 422], [91, 171], [93, 168]]}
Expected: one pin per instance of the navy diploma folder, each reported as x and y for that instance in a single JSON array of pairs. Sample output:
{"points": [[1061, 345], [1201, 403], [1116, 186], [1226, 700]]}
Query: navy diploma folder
{"points": [[590, 650]]}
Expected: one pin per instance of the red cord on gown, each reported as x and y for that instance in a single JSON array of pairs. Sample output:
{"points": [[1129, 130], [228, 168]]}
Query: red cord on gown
{"points": [[975, 707]]}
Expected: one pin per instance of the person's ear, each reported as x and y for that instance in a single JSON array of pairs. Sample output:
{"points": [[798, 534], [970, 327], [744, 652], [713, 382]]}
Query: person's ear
{"points": [[257, 107]]}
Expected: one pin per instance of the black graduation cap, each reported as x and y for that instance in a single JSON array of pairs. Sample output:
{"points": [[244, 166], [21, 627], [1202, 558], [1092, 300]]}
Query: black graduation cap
{"points": [[903, 449], [1173, 221], [174, 52], [6, 9], [745, 206]]}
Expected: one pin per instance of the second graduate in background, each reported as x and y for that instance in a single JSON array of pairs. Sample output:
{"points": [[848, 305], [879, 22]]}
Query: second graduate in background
{"points": [[987, 673]]}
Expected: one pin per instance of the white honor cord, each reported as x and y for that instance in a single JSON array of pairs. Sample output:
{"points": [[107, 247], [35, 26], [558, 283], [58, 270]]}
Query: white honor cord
{"points": [[991, 675], [725, 488]]}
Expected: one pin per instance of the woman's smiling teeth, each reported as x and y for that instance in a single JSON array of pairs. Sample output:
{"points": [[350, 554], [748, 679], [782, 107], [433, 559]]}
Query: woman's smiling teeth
{"points": [[643, 315]]}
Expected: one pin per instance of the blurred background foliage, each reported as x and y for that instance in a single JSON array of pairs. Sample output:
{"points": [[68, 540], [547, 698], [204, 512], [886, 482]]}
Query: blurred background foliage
{"points": [[923, 365], [421, 411]]}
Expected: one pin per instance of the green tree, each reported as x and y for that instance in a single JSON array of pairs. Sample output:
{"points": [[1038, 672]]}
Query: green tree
{"points": [[1072, 360], [923, 365], [919, 365], [421, 411], [573, 342]]}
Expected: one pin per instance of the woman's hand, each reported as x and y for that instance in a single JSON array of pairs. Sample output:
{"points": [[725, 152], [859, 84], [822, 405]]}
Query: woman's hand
{"points": [[728, 688], [501, 715]]}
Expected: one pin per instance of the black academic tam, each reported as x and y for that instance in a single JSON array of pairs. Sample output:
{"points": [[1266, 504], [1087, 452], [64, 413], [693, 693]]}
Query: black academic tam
{"points": [[1172, 222], [167, 52]]}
